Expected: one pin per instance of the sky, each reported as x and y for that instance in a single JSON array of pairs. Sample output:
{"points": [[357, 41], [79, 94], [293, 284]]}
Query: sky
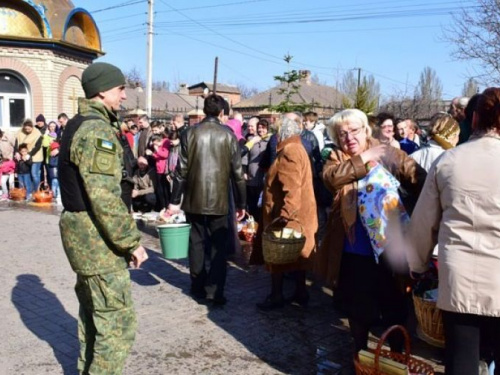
{"points": [[391, 40]]}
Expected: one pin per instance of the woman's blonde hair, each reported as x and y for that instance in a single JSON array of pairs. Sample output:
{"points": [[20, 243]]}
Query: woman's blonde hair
{"points": [[344, 116], [443, 128], [124, 127]]}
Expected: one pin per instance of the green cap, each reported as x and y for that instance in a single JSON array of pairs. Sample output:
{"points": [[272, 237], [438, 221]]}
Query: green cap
{"points": [[99, 77]]}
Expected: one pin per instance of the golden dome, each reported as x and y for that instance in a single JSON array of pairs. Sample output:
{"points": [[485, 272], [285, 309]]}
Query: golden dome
{"points": [[56, 20]]}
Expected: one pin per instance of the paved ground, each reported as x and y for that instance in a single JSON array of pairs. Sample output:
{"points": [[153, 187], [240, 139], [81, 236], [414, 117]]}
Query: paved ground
{"points": [[38, 310]]}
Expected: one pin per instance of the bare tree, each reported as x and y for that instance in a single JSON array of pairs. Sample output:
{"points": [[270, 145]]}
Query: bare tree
{"points": [[425, 101], [476, 33], [134, 78], [161, 86], [471, 88], [428, 94], [429, 86], [246, 91]]}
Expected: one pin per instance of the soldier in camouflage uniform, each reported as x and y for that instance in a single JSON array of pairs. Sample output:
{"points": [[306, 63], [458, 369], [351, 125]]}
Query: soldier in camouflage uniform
{"points": [[99, 236]]}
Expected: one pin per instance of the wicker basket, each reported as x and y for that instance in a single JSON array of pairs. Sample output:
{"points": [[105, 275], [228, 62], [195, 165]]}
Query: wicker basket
{"points": [[43, 195], [17, 193], [414, 365], [281, 250], [430, 320]]}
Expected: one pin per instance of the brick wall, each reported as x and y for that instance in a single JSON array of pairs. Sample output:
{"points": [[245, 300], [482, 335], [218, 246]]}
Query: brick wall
{"points": [[50, 75]]}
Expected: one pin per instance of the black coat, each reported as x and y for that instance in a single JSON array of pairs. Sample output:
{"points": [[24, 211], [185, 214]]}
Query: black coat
{"points": [[209, 159]]}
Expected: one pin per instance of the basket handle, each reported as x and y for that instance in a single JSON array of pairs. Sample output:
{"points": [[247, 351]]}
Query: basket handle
{"points": [[43, 183], [279, 217], [384, 338], [247, 215]]}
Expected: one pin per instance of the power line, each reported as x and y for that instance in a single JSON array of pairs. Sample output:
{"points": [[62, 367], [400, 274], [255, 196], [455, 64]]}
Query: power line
{"points": [[122, 18], [219, 34], [306, 15], [382, 15], [331, 31], [239, 43], [125, 4], [214, 6]]}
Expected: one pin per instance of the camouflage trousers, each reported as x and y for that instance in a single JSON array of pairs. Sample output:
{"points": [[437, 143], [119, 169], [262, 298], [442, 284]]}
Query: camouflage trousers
{"points": [[106, 322]]}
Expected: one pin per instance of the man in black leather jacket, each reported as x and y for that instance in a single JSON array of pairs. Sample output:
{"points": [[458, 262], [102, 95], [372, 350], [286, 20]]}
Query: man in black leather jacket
{"points": [[209, 160]]}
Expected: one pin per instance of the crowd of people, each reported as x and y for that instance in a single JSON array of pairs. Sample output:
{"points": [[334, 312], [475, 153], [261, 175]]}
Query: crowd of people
{"points": [[298, 172], [30, 156]]}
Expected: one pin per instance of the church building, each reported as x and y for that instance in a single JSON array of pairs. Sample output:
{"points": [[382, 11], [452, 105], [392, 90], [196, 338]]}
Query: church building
{"points": [[44, 47]]}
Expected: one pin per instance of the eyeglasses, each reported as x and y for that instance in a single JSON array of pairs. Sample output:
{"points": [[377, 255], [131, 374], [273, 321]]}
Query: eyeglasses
{"points": [[353, 132]]}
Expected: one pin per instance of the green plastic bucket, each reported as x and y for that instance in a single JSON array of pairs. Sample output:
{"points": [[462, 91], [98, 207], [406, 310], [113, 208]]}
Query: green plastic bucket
{"points": [[174, 240]]}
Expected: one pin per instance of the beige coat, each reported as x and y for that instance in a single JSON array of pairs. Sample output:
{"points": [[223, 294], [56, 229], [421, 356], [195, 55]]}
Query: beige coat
{"points": [[31, 140], [459, 209]]}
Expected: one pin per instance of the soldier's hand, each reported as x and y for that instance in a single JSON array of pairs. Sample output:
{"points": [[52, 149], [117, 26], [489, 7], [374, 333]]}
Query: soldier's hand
{"points": [[138, 257]]}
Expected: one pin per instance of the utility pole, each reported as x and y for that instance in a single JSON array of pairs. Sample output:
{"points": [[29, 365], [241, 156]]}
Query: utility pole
{"points": [[149, 60], [359, 76]]}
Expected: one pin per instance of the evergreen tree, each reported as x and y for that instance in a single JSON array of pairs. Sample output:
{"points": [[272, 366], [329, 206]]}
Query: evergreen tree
{"points": [[363, 99], [289, 87]]}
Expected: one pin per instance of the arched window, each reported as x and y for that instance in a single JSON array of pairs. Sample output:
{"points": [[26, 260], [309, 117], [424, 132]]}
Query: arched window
{"points": [[15, 103]]}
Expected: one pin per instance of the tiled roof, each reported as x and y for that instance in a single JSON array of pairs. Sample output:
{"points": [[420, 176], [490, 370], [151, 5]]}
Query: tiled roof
{"points": [[322, 95], [229, 89], [161, 100]]}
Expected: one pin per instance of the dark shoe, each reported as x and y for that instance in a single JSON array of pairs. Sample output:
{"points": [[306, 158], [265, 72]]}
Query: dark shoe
{"points": [[299, 300], [198, 294], [215, 301], [271, 303]]}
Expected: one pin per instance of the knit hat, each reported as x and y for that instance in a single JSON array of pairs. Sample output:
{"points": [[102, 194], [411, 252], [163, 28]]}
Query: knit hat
{"points": [[53, 146], [99, 77], [40, 118]]}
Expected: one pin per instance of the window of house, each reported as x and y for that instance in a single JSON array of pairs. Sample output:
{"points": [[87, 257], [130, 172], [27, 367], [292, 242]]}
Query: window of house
{"points": [[15, 101]]}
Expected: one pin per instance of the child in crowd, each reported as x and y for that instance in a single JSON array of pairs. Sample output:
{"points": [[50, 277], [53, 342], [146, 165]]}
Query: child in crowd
{"points": [[48, 137], [173, 154], [24, 169], [53, 159], [7, 170], [161, 148]]}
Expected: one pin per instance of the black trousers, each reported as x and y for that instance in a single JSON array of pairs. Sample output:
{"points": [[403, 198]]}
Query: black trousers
{"points": [[212, 229], [464, 333], [126, 196], [253, 193], [144, 203], [162, 190], [369, 294]]}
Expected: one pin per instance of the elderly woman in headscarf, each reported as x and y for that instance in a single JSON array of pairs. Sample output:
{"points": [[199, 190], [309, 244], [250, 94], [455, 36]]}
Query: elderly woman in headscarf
{"points": [[288, 199], [365, 287], [444, 134]]}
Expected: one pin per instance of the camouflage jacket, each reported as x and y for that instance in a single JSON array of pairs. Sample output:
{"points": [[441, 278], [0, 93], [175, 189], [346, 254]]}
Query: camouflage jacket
{"points": [[99, 241]]}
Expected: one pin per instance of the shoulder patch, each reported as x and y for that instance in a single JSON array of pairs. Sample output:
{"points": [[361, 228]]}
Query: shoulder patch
{"points": [[105, 145], [104, 158]]}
